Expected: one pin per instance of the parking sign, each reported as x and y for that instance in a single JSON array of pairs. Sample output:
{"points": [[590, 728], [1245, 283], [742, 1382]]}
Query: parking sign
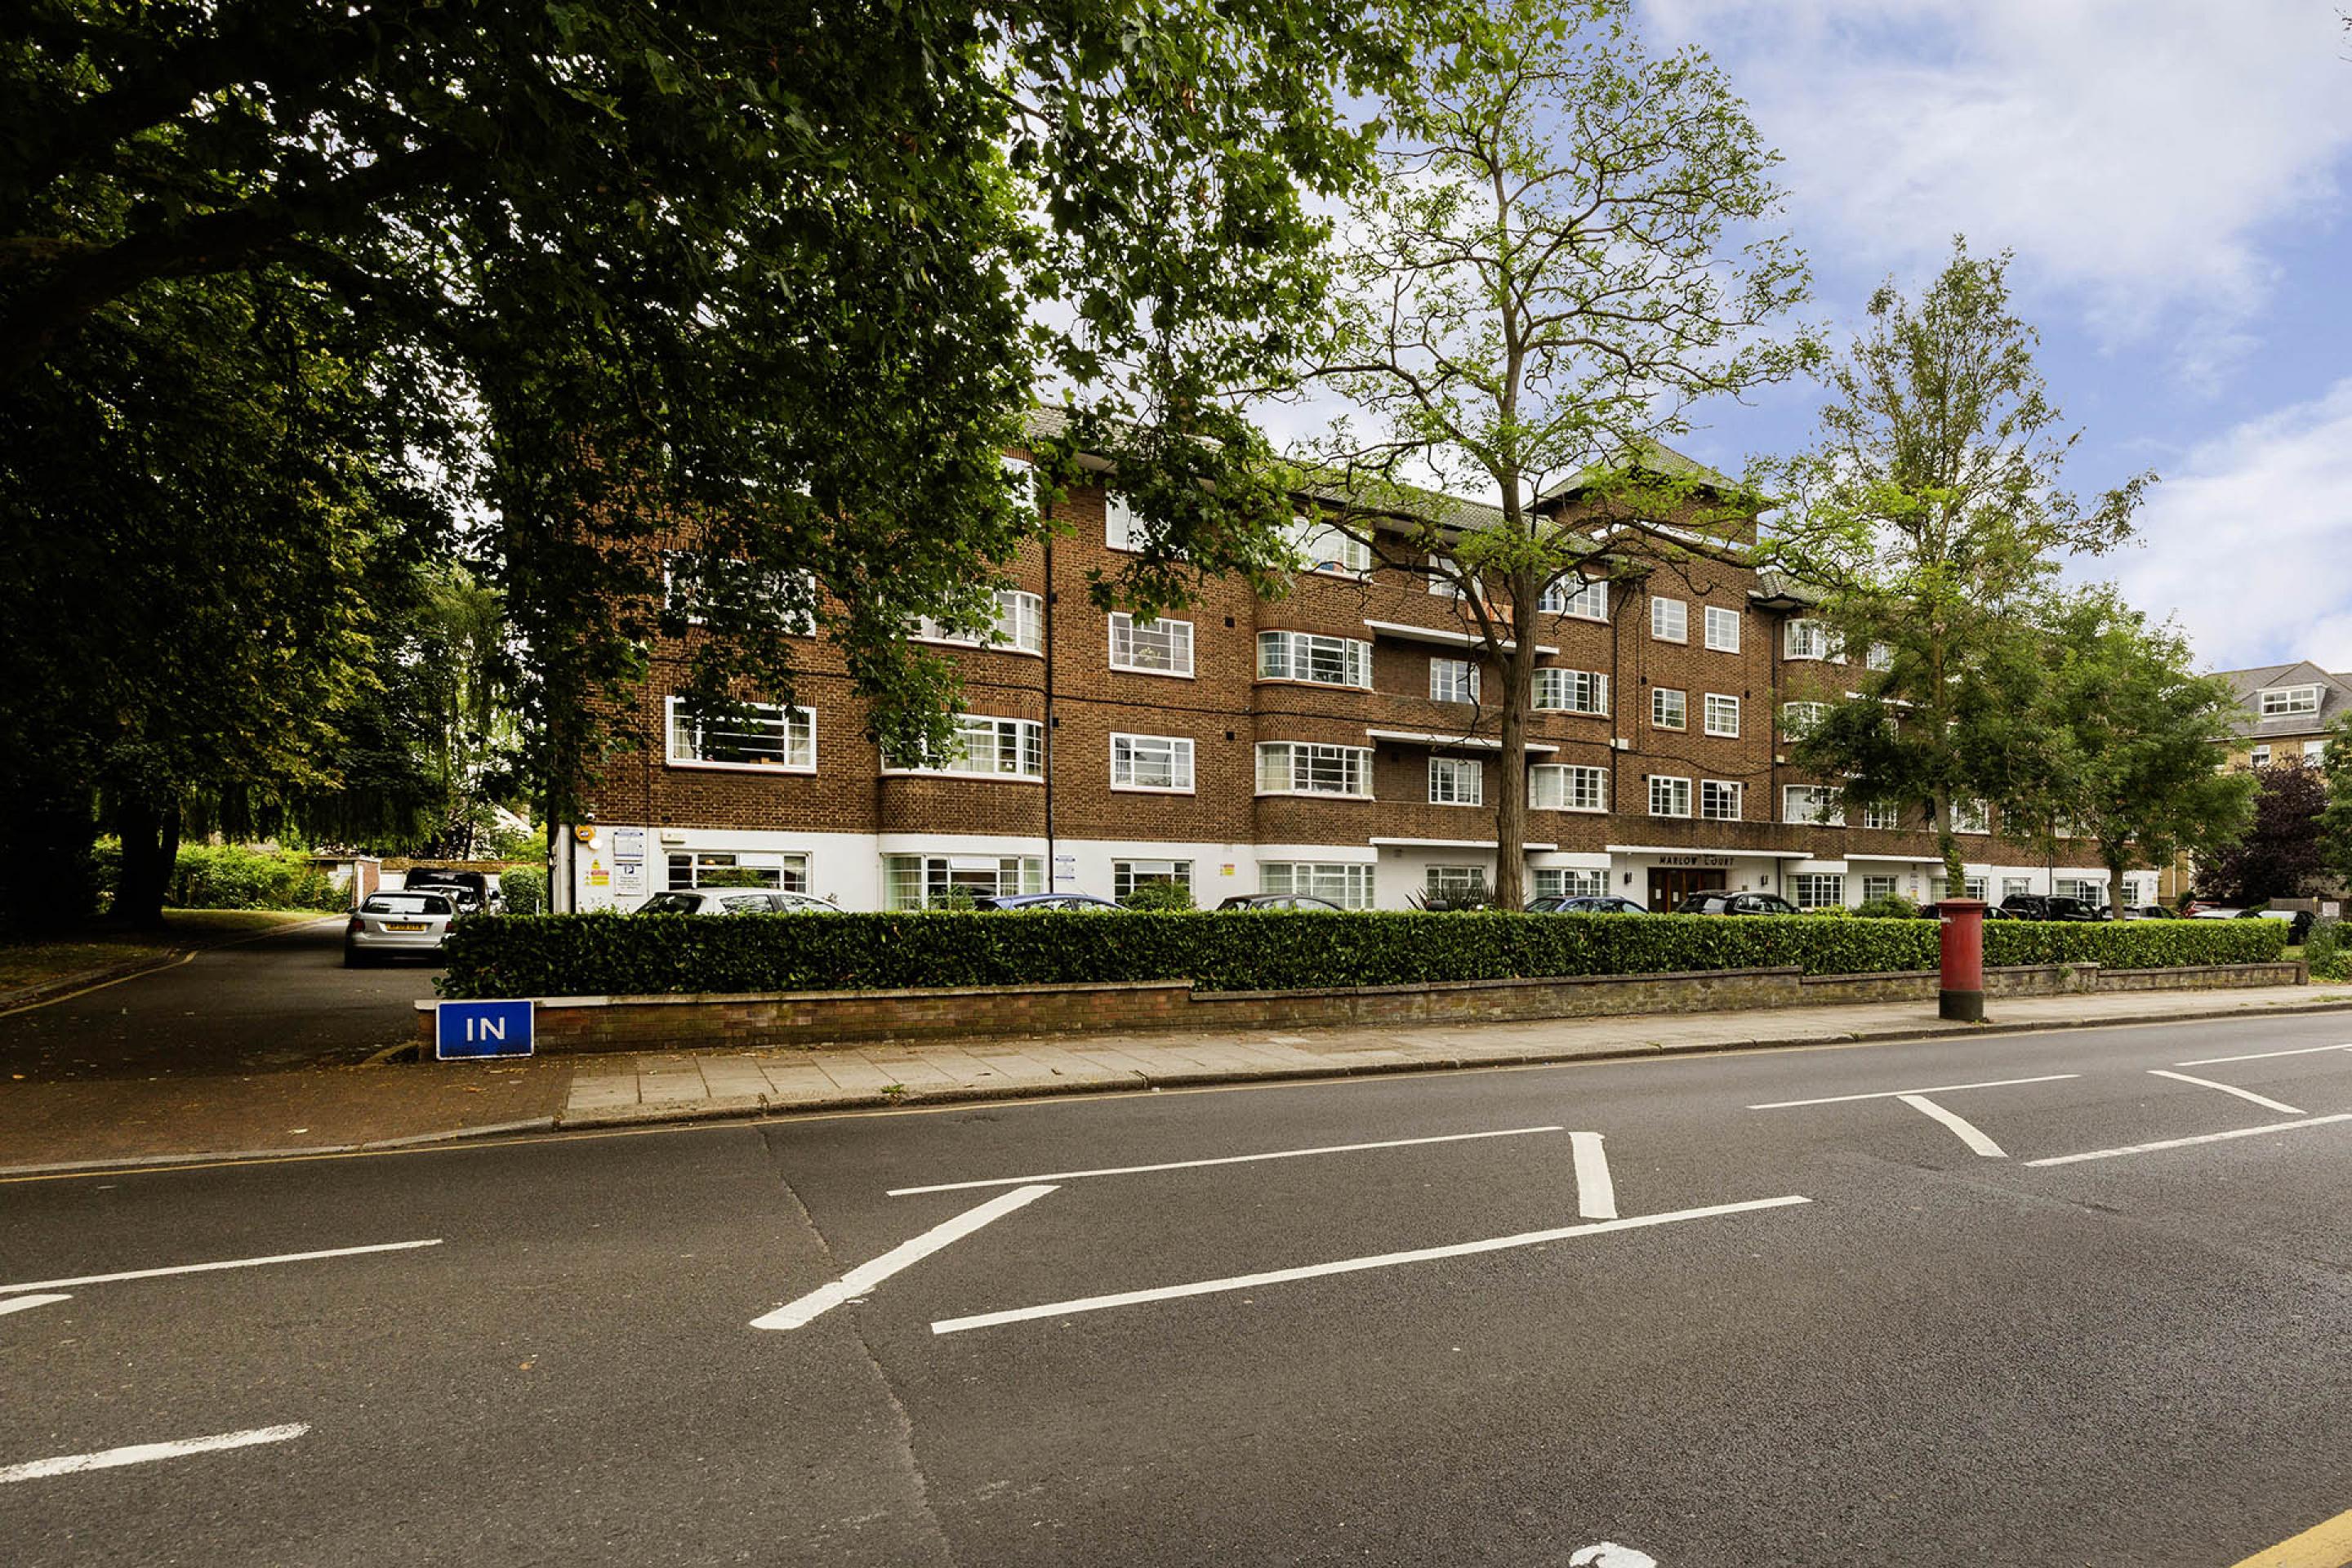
{"points": [[463, 1030]]}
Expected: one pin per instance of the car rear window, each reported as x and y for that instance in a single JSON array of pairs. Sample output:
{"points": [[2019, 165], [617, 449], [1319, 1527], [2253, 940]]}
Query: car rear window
{"points": [[405, 904]]}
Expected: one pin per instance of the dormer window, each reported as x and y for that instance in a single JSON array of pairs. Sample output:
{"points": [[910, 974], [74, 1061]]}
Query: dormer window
{"points": [[2279, 700]]}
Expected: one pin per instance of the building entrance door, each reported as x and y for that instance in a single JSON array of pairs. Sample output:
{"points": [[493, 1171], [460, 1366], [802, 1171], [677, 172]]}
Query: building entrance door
{"points": [[1669, 888]]}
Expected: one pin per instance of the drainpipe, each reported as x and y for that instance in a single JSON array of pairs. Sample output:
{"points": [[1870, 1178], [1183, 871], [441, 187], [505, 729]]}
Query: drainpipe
{"points": [[1053, 883]]}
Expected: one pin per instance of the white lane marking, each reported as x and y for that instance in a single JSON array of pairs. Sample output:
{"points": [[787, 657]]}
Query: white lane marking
{"points": [[1596, 1194], [863, 1277], [1966, 1130], [1609, 1554], [2261, 1055], [225, 1263], [1900, 1093], [1222, 1160], [2185, 1143], [140, 1453], [20, 1303], [2231, 1089], [1348, 1265]]}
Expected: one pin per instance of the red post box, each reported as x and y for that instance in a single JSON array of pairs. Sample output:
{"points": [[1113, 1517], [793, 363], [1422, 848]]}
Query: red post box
{"points": [[1959, 995]]}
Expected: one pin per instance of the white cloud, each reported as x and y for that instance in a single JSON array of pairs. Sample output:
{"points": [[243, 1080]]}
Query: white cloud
{"points": [[2250, 545], [2132, 151]]}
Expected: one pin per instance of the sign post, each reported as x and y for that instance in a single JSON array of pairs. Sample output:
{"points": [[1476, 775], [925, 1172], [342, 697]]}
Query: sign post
{"points": [[468, 1031]]}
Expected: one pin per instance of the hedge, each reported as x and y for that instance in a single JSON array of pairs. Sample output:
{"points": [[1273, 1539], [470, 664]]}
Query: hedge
{"points": [[609, 954]]}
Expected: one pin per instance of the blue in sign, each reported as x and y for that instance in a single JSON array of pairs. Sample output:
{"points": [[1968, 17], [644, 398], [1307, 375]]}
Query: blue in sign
{"points": [[462, 1029]]}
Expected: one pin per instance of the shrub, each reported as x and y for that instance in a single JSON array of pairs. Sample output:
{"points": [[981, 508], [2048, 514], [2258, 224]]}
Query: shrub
{"points": [[1887, 907], [1159, 896], [1271, 950], [525, 888], [2325, 950], [238, 876]]}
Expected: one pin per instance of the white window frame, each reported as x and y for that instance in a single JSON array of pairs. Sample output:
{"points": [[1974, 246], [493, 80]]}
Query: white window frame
{"points": [[1722, 800], [1299, 762], [1817, 889], [1880, 885], [2281, 701], [938, 873], [1879, 656], [1813, 815], [1717, 704], [1120, 524], [1027, 745], [1674, 791], [1569, 883], [1588, 601], [1454, 881], [1020, 627], [1125, 876], [1347, 883], [1882, 817], [1659, 707], [1568, 786], [2258, 757], [1974, 817], [798, 726], [1806, 639], [1669, 620], [1722, 629], [1454, 770], [1128, 633], [1556, 691], [1297, 651], [783, 589], [2089, 889], [1445, 687], [1796, 718], [1128, 749], [790, 869], [1327, 548]]}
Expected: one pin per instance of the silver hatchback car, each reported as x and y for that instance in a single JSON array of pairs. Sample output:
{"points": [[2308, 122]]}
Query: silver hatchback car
{"points": [[735, 902], [398, 925]]}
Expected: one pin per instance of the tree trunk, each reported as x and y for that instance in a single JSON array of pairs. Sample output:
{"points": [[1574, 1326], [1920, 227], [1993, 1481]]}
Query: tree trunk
{"points": [[2114, 860], [1948, 845], [1511, 788], [150, 832]]}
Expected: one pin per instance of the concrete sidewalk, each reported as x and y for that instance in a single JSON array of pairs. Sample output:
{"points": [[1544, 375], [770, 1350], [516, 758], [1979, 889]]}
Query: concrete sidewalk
{"points": [[59, 1126]]}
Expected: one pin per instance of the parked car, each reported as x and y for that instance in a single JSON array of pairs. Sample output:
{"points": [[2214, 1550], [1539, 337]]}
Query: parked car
{"points": [[398, 925], [1277, 901], [1723, 903], [2146, 913], [476, 892], [1586, 904], [1993, 912], [734, 901], [2217, 912], [1076, 902], [2297, 922], [2050, 907]]}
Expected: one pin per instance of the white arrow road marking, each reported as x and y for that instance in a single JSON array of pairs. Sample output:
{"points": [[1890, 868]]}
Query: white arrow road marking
{"points": [[20, 1303], [2191, 1142], [1347, 1265], [2231, 1089], [863, 1277], [1967, 1131], [1931, 1089], [209, 1268], [1224, 1160], [1609, 1554], [140, 1453], [1596, 1194]]}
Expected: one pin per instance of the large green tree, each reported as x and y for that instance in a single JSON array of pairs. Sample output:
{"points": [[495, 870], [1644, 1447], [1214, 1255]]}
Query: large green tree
{"points": [[2279, 855], [1930, 521], [1575, 240]]}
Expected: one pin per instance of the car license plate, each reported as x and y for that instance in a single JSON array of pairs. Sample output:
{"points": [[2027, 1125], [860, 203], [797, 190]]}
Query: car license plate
{"points": [[404, 925]]}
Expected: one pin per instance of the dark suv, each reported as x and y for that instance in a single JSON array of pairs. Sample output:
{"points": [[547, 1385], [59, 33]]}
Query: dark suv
{"points": [[2049, 907], [473, 891], [1722, 903]]}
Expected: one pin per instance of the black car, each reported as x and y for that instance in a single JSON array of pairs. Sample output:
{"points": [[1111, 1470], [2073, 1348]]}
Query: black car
{"points": [[473, 891], [1585, 904], [1043, 901], [1720, 903], [2050, 907], [2298, 923], [1277, 901]]}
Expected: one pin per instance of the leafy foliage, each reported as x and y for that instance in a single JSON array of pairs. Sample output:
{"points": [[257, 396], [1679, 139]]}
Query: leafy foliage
{"points": [[2279, 855], [525, 888], [1160, 895], [235, 877], [1255, 950]]}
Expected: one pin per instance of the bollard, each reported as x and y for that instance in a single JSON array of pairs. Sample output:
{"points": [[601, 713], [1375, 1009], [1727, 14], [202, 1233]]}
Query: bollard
{"points": [[1959, 995]]}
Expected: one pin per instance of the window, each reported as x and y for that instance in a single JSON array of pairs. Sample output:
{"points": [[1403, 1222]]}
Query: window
{"points": [[2011, 887], [1558, 787], [2261, 756], [1012, 748], [1880, 656], [1720, 800], [1815, 803], [736, 868], [1020, 623], [1151, 763], [1566, 882], [1020, 478], [1325, 547], [1455, 882], [1808, 639], [1348, 886], [1288, 767], [1453, 680], [766, 737], [1122, 530], [945, 881], [1669, 620], [692, 581], [1722, 629], [1302, 655], [1444, 578], [1669, 796], [1881, 816], [1125, 876], [1586, 601], [1819, 889], [1669, 709], [1573, 690], [1722, 715], [1879, 887], [2280, 699], [2081, 887], [1797, 719], [1971, 817], [1456, 781], [1155, 647]]}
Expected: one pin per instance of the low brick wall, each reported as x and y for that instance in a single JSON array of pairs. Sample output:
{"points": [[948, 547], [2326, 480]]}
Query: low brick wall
{"points": [[810, 1019]]}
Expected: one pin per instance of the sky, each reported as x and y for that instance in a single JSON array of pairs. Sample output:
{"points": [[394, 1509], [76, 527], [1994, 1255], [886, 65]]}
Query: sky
{"points": [[2175, 179]]}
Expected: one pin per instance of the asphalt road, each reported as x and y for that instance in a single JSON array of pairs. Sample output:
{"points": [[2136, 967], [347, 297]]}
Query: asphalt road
{"points": [[275, 1002], [1940, 1355]]}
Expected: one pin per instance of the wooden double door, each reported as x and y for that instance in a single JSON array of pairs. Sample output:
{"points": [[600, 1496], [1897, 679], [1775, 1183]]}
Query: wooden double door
{"points": [[1669, 888]]}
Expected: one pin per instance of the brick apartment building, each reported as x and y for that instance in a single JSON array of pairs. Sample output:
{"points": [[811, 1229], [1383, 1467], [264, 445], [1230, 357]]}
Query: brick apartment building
{"points": [[1330, 743]]}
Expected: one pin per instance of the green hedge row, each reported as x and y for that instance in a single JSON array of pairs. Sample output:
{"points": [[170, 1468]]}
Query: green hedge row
{"points": [[604, 954]]}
